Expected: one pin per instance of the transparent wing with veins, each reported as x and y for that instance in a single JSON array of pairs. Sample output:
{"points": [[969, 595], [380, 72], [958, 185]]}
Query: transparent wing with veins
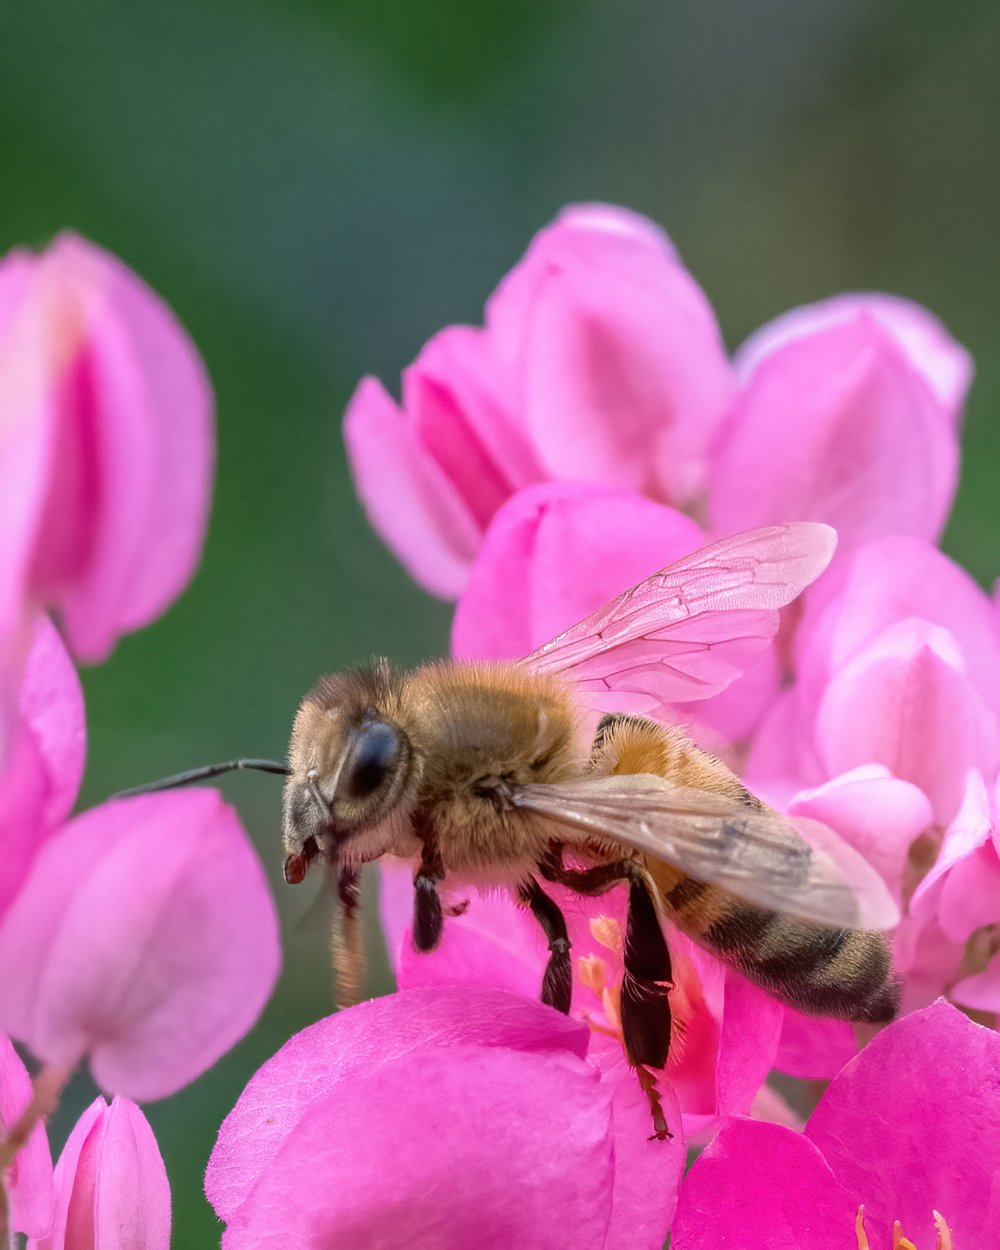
{"points": [[801, 869], [691, 629]]}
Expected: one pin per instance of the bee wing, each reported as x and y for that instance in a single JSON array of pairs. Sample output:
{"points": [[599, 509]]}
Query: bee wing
{"points": [[758, 855], [688, 631]]}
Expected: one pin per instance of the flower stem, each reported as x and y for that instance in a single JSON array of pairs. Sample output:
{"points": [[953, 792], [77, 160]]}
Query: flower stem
{"points": [[45, 1091]]}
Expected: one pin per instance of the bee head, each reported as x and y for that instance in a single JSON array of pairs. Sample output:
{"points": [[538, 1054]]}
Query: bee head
{"points": [[350, 768]]}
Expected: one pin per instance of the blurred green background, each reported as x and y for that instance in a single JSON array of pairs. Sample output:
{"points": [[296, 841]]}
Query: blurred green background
{"points": [[317, 187]]}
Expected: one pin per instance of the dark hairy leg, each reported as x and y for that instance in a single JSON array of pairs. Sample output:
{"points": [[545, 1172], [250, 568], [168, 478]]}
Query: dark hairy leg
{"points": [[346, 939], [427, 914], [557, 983]]}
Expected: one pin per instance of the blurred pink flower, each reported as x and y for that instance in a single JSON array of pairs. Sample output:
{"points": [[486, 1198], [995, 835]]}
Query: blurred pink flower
{"points": [[909, 1127], [600, 360], [112, 1191], [45, 761], [144, 937], [106, 449], [439, 1119], [836, 401], [726, 1031], [28, 1180], [568, 548]]}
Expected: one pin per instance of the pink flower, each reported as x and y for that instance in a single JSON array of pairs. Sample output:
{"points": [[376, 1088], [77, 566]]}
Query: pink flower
{"points": [[838, 400], [600, 360], [111, 1185], [726, 1031], [144, 937], [105, 452], [909, 1128], [442, 1118], [45, 760], [28, 1181]]}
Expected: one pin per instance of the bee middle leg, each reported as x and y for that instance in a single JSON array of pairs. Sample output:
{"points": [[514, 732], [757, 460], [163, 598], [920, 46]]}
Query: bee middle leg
{"points": [[557, 983], [346, 941]]}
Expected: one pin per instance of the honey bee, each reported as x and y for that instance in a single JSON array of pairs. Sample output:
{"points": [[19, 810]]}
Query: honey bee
{"points": [[491, 774]]}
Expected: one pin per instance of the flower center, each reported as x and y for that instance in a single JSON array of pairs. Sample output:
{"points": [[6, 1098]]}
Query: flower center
{"points": [[899, 1242]]}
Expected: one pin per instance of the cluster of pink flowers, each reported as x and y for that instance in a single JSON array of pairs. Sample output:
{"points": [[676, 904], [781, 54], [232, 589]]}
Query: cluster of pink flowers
{"points": [[592, 431], [139, 935]]}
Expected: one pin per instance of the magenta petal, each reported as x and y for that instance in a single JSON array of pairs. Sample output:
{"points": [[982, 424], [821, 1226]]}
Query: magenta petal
{"points": [[813, 1049], [930, 349], [818, 429], [912, 1125], [762, 1187], [435, 1076], [39, 784], [568, 548], [112, 1189], [748, 1044], [145, 937], [28, 1181]]}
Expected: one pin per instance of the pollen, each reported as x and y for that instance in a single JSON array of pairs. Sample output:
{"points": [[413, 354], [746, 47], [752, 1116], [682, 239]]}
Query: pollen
{"points": [[942, 1241]]}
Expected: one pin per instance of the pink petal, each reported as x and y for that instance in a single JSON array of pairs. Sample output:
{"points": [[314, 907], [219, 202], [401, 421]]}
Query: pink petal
{"points": [[39, 784], [821, 425], [874, 812], [623, 367], [432, 474], [904, 703], [981, 991], [112, 1186], [434, 1076], [116, 457], [813, 1049], [912, 1125], [28, 1181], [886, 582], [762, 1187], [751, 1029], [945, 364], [568, 548], [145, 937]]}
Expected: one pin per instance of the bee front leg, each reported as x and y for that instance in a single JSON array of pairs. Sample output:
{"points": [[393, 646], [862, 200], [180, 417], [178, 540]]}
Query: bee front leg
{"points": [[557, 983], [428, 917]]}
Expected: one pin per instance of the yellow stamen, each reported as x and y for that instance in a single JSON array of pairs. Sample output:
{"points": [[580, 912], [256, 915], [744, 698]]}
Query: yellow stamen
{"points": [[943, 1232], [859, 1229], [899, 1242]]}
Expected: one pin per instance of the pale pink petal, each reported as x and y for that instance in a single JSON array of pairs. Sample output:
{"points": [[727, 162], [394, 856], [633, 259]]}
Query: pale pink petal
{"points": [[567, 549], [623, 369], [751, 1030], [962, 889], [877, 814], [436, 1076], [906, 704], [112, 1188], [772, 1107], [45, 763], [912, 1125], [928, 960], [28, 1180], [416, 510], [981, 991], [145, 937], [820, 427], [128, 410], [930, 349], [886, 582], [762, 1187]]}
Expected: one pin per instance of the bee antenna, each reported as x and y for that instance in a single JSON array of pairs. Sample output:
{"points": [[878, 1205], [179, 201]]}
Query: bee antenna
{"points": [[204, 773]]}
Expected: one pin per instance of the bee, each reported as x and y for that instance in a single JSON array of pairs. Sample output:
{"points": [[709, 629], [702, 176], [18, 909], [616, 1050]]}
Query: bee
{"points": [[491, 774]]}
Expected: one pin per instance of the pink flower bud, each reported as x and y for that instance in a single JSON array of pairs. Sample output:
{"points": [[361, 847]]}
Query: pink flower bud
{"points": [[112, 1191], [145, 937], [28, 1181]]}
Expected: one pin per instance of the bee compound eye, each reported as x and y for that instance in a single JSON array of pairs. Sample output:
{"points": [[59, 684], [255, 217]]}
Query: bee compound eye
{"points": [[377, 749]]}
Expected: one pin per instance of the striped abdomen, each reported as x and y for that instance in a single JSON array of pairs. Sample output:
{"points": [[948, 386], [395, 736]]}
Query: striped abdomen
{"points": [[844, 973]]}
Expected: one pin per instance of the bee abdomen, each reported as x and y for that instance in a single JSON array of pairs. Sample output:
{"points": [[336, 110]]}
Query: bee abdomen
{"points": [[843, 973]]}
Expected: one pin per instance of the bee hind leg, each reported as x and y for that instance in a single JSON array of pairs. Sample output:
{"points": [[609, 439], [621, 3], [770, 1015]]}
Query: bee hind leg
{"points": [[557, 983], [645, 1003]]}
